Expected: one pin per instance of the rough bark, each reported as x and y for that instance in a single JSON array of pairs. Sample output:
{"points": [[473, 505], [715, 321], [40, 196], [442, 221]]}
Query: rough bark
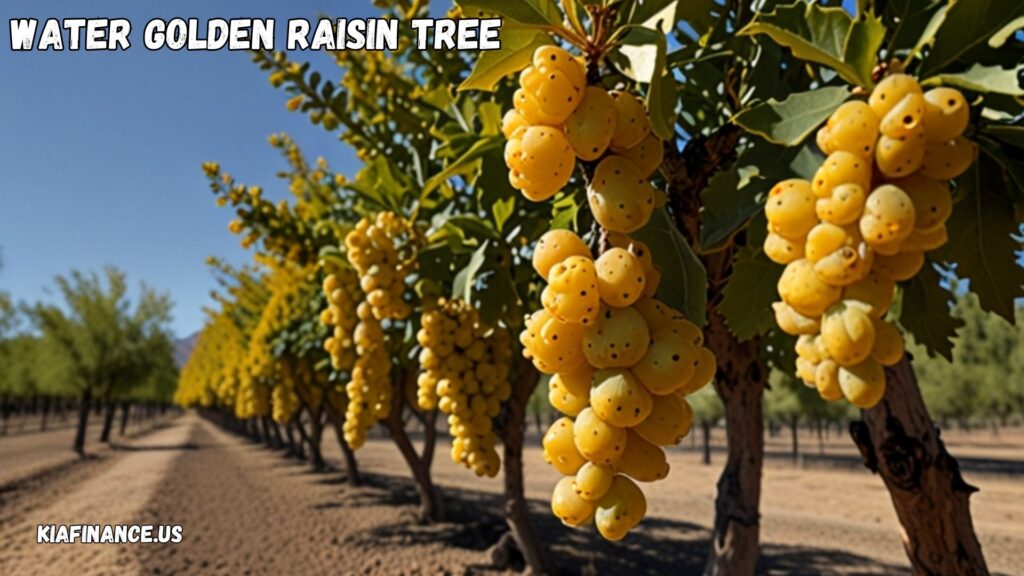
{"points": [[741, 375], [517, 512], [794, 430], [351, 465], [740, 382], [126, 409], [83, 420], [431, 506], [706, 428], [899, 442], [108, 421]]}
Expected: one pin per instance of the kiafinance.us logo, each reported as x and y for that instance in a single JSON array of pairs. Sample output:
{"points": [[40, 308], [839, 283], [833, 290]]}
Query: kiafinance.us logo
{"points": [[108, 534]]}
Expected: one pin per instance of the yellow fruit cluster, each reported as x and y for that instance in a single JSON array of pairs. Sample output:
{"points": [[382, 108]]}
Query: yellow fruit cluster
{"points": [[558, 118], [465, 374], [340, 315], [383, 252], [877, 204], [369, 388], [621, 363]]}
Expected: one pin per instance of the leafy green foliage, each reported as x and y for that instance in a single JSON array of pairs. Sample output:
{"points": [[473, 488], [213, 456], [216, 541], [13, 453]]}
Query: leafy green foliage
{"points": [[827, 36], [517, 47], [684, 284], [985, 79], [789, 122], [925, 313], [747, 298], [967, 26]]}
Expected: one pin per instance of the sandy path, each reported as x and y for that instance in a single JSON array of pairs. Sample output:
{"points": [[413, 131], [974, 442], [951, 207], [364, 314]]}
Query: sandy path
{"points": [[115, 495]]}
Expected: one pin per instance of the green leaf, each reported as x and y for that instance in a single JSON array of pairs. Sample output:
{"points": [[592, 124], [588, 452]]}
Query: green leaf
{"points": [[967, 25], [502, 210], [733, 196], [925, 313], [999, 38], [462, 165], [533, 12], [683, 278], [790, 121], [749, 293], [985, 79], [660, 15], [661, 106], [981, 242], [1006, 133], [465, 280], [828, 36], [916, 22], [643, 51], [516, 53]]}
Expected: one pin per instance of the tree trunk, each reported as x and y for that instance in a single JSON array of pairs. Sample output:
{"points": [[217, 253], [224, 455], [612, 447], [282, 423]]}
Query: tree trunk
{"points": [[794, 430], [46, 414], [83, 420], [108, 421], [900, 443], [351, 466], [431, 506], [740, 382], [316, 434], [517, 511], [706, 428], [126, 410]]}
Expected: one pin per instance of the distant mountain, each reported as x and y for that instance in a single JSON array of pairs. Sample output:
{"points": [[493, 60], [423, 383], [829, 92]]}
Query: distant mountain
{"points": [[183, 348]]}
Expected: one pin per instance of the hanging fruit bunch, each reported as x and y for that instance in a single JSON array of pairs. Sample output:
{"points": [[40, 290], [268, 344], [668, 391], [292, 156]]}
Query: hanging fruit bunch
{"points": [[382, 251], [621, 361], [465, 374], [877, 204]]}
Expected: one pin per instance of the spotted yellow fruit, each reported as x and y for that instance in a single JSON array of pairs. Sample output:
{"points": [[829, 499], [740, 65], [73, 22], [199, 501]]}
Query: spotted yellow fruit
{"points": [[620, 197], [620, 509], [591, 126], [848, 333], [888, 218], [852, 128], [572, 293], [555, 246], [567, 505], [794, 323], [864, 384], [790, 209], [597, 440], [946, 114], [890, 92], [801, 288], [552, 345], [620, 277], [560, 448], [647, 155], [669, 421], [843, 206], [841, 168], [618, 339], [619, 399], [642, 461], [668, 364], [906, 118], [593, 481], [540, 161], [888, 348], [948, 159], [631, 122]]}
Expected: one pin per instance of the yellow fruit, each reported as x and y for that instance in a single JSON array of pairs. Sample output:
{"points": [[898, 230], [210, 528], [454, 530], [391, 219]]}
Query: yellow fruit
{"points": [[790, 209], [900, 157], [540, 161], [841, 168], [899, 267], [807, 347], [669, 421], [853, 128], [591, 126], [704, 368], [565, 400], [620, 509], [642, 461], [946, 114], [839, 254], [933, 203], [554, 346], [511, 122], [572, 293], [560, 448], [873, 294], [647, 155], [863, 384], [618, 399], [593, 481], [794, 323], [597, 440], [555, 246], [948, 159], [806, 371], [888, 348], [618, 339], [890, 91], [843, 206], [848, 333], [801, 288], [556, 58], [631, 123], [668, 364], [888, 217], [921, 241], [683, 327], [782, 250], [826, 380], [905, 119], [620, 278], [568, 506], [620, 197], [656, 313]]}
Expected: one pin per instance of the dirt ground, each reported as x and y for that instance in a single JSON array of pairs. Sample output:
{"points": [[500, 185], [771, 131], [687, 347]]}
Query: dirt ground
{"points": [[248, 510]]}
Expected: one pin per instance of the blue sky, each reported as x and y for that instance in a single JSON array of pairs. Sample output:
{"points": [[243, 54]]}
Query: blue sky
{"points": [[100, 155]]}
